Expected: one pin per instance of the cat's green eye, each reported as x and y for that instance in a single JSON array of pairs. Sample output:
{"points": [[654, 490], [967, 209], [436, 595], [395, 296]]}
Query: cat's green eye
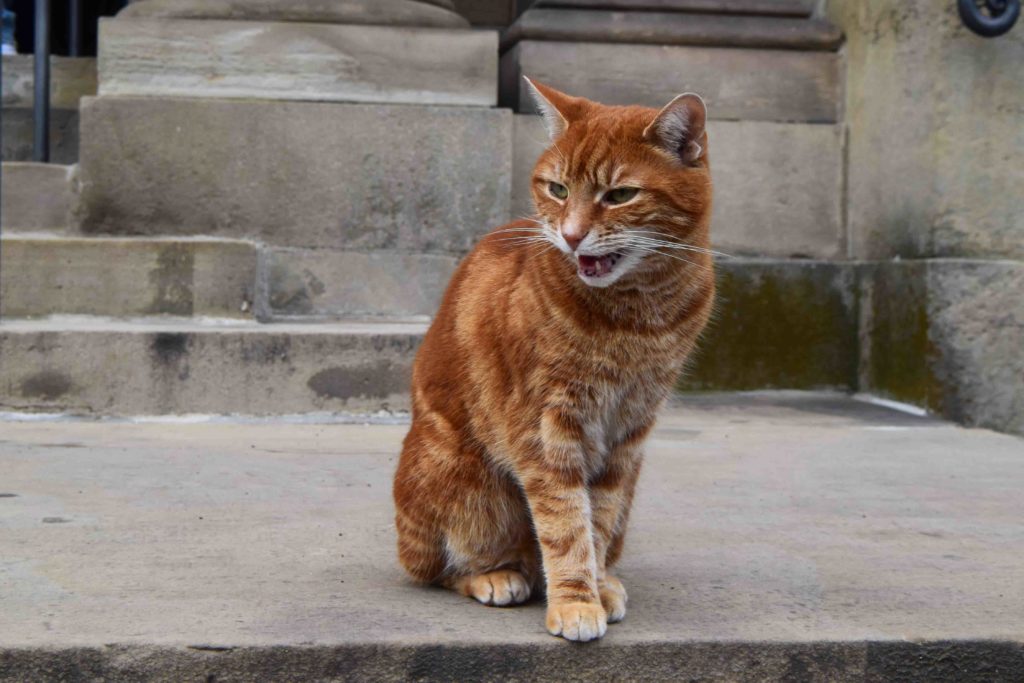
{"points": [[620, 195], [558, 191]]}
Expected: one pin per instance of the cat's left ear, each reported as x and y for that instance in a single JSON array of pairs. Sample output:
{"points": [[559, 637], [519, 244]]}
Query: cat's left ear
{"points": [[679, 128]]}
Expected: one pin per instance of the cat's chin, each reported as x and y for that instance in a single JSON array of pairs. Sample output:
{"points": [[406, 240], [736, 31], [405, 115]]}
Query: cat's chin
{"points": [[604, 270]]}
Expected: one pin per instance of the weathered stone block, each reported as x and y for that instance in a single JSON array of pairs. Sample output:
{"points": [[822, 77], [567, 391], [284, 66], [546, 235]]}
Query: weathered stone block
{"points": [[800, 8], [295, 61], [37, 196], [18, 130], [779, 325], [777, 186], [115, 368], [761, 85], [345, 176], [325, 283], [947, 334], [71, 79], [126, 277]]}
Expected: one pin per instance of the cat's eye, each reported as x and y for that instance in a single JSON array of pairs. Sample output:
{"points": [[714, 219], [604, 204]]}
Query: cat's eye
{"points": [[619, 195], [558, 191]]}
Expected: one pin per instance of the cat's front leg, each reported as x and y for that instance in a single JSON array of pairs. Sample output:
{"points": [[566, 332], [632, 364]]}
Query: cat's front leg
{"points": [[556, 490]]}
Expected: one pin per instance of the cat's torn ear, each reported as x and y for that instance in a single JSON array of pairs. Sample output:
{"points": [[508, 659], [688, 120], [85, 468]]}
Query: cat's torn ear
{"points": [[557, 109], [679, 128]]}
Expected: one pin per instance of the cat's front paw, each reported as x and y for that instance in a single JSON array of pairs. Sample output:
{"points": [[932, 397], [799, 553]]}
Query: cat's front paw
{"points": [[613, 597], [581, 621]]}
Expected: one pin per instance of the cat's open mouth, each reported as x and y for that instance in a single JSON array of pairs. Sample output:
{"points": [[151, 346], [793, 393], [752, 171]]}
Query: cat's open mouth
{"points": [[597, 266]]}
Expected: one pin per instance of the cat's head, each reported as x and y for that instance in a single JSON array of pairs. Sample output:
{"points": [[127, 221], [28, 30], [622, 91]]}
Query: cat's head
{"points": [[623, 189]]}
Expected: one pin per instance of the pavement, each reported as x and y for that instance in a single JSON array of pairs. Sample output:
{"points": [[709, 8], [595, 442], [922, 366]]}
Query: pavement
{"points": [[775, 536]]}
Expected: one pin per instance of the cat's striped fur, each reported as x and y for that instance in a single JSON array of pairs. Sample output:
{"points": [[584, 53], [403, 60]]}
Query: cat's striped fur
{"points": [[537, 384]]}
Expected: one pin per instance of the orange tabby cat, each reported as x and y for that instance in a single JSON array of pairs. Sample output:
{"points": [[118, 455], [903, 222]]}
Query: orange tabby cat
{"points": [[557, 341]]}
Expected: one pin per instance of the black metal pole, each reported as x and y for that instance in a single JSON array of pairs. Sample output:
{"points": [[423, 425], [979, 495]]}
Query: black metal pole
{"points": [[42, 82], [75, 28]]}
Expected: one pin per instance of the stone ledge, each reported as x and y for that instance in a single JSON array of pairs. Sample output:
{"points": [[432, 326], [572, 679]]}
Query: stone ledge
{"points": [[36, 196], [738, 84], [791, 8], [42, 276], [294, 61], [667, 28]]}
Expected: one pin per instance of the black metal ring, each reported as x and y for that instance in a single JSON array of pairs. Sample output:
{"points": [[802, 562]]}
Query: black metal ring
{"points": [[1001, 18]]}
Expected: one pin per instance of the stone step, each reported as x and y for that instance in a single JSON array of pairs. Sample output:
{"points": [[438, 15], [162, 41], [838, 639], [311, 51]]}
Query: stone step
{"points": [[413, 179], [779, 537], [738, 84], [298, 61], [71, 78], [96, 366], [778, 186], [36, 196], [780, 324], [52, 275], [666, 28]]}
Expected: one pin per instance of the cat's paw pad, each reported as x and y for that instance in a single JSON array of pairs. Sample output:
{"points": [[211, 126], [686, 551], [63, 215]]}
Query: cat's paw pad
{"points": [[614, 598], [581, 621], [501, 588]]}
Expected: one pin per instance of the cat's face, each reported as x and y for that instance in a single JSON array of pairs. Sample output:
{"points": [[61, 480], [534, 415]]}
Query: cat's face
{"points": [[622, 189]]}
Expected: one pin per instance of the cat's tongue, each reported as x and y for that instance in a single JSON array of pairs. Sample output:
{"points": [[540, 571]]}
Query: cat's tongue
{"points": [[596, 266]]}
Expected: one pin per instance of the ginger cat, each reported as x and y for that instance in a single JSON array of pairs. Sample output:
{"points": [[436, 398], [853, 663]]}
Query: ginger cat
{"points": [[557, 342]]}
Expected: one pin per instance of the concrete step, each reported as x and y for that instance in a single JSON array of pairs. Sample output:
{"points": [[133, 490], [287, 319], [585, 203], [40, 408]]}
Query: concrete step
{"points": [[71, 78], [778, 186], [780, 324], [672, 28], [738, 84], [36, 196], [413, 179], [788, 537], [88, 365], [298, 61], [47, 275]]}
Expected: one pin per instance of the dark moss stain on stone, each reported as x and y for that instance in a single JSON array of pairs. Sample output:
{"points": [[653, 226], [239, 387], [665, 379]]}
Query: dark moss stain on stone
{"points": [[898, 349], [169, 347], [173, 280], [377, 380], [46, 385], [779, 325], [267, 350], [289, 294]]}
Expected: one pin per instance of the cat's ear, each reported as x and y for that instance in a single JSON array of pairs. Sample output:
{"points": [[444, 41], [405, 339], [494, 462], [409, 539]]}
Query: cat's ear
{"points": [[557, 108], [679, 128]]}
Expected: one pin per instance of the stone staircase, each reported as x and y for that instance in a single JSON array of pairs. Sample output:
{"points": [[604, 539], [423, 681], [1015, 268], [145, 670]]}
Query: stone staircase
{"points": [[226, 245]]}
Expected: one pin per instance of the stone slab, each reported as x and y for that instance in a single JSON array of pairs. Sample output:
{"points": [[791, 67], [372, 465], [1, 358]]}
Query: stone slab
{"points": [[17, 128], [71, 79], [800, 8], [777, 186], [295, 61], [774, 537], [947, 334], [668, 28], [785, 324], [326, 283], [434, 13], [41, 276], [344, 176], [36, 196], [148, 367], [738, 84]]}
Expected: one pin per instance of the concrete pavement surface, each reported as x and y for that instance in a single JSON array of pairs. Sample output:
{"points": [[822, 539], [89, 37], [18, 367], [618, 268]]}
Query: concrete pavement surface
{"points": [[777, 536]]}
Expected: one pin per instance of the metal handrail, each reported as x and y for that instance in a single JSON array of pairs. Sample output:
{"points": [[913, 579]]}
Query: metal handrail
{"points": [[41, 61]]}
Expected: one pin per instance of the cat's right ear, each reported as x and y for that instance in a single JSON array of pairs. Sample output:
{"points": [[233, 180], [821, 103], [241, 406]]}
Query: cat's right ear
{"points": [[556, 108], [679, 128]]}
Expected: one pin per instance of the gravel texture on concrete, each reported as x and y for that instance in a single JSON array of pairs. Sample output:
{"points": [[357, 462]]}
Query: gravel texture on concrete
{"points": [[778, 536]]}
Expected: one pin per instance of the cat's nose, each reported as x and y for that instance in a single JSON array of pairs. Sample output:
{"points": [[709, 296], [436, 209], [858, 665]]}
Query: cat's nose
{"points": [[574, 233]]}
